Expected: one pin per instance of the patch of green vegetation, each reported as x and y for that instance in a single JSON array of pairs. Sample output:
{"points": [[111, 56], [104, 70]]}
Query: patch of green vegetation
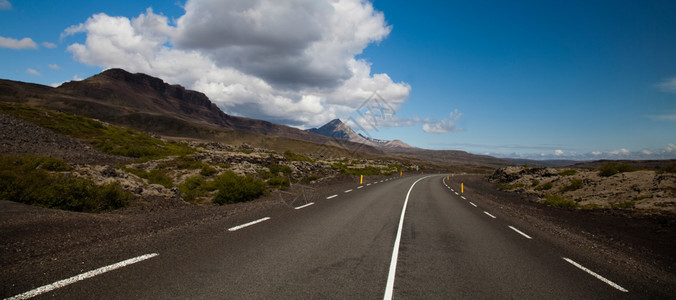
{"points": [[575, 184], [29, 180], [612, 168], [208, 171], [507, 187], [233, 188], [108, 139], [670, 168], [568, 173], [195, 187], [275, 169], [310, 178], [279, 182], [296, 157], [535, 183], [559, 201], [544, 187], [155, 176]]}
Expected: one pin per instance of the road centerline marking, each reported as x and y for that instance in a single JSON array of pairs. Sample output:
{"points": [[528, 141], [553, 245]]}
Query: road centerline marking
{"points": [[332, 196], [304, 206], [348, 191], [238, 227], [389, 288], [473, 204], [492, 216], [592, 273], [61, 283], [521, 233]]}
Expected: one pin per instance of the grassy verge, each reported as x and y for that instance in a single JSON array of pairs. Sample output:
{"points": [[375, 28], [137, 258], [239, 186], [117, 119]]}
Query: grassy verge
{"points": [[559, 201]]}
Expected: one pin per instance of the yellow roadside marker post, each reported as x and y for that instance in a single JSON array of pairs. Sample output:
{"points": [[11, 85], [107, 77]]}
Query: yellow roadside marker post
{"points": [[361, 181], [462, 187]]}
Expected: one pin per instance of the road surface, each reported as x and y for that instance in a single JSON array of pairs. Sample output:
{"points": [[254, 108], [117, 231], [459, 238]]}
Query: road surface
{"points": [[446, 245]]}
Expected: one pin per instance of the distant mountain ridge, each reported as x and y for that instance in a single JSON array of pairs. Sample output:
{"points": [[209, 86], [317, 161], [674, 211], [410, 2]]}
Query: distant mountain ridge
{"points": [[337, 129], [147, 103]]}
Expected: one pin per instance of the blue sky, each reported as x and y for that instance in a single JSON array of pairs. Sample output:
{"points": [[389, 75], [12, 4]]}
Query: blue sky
{"points": [[535, 79]]}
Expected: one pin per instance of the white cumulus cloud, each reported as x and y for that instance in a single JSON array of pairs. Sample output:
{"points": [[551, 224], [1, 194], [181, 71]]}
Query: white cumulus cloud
{"points": [[25, 43], [32, 72], [445, 125], [292, 62], [48, 45]]}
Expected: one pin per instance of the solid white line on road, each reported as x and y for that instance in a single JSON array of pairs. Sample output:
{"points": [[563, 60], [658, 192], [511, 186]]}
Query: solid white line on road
{"points": [[472, 204], [238, 227], [304, 206], [361, 186], [389, 289], [348, 191], [599, 277], [492, 216], [463, 197], [332, 196], [59, 284], [521, 233]]}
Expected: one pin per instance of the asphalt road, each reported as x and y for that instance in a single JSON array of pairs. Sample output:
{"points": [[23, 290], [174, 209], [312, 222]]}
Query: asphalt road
{"points": [[341, 247]]}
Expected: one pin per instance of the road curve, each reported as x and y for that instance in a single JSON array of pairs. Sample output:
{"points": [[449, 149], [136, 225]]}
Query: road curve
{"points": [[340, 247]]}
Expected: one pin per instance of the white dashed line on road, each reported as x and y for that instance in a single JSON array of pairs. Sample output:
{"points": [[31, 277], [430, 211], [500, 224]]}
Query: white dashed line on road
{"points": [[521, 233], [59, 284], [463, 197], [304, 206], [238, 227], [599, 277], [492, 216], [348, 191], [332, 196], [472, 204]]}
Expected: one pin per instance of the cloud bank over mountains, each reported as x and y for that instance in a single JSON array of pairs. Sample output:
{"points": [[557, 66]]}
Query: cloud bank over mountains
{"points": [[291, 62], [668, 152]]}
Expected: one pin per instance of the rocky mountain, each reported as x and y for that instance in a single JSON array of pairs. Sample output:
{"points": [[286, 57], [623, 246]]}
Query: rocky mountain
{"points": [[337, 129], [149, 104]]}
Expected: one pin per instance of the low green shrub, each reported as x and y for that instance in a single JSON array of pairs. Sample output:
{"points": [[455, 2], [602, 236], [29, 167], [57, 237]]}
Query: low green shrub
{"points": [[507, 187], [559, 201], [233, 188], [293, 156], [194, 187], [279, 182], [612, 168], [575, 184], [275, 169], [535, 183], [208, 171], [670, 168], [545, 186], [24, 180], [568, 173]]}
